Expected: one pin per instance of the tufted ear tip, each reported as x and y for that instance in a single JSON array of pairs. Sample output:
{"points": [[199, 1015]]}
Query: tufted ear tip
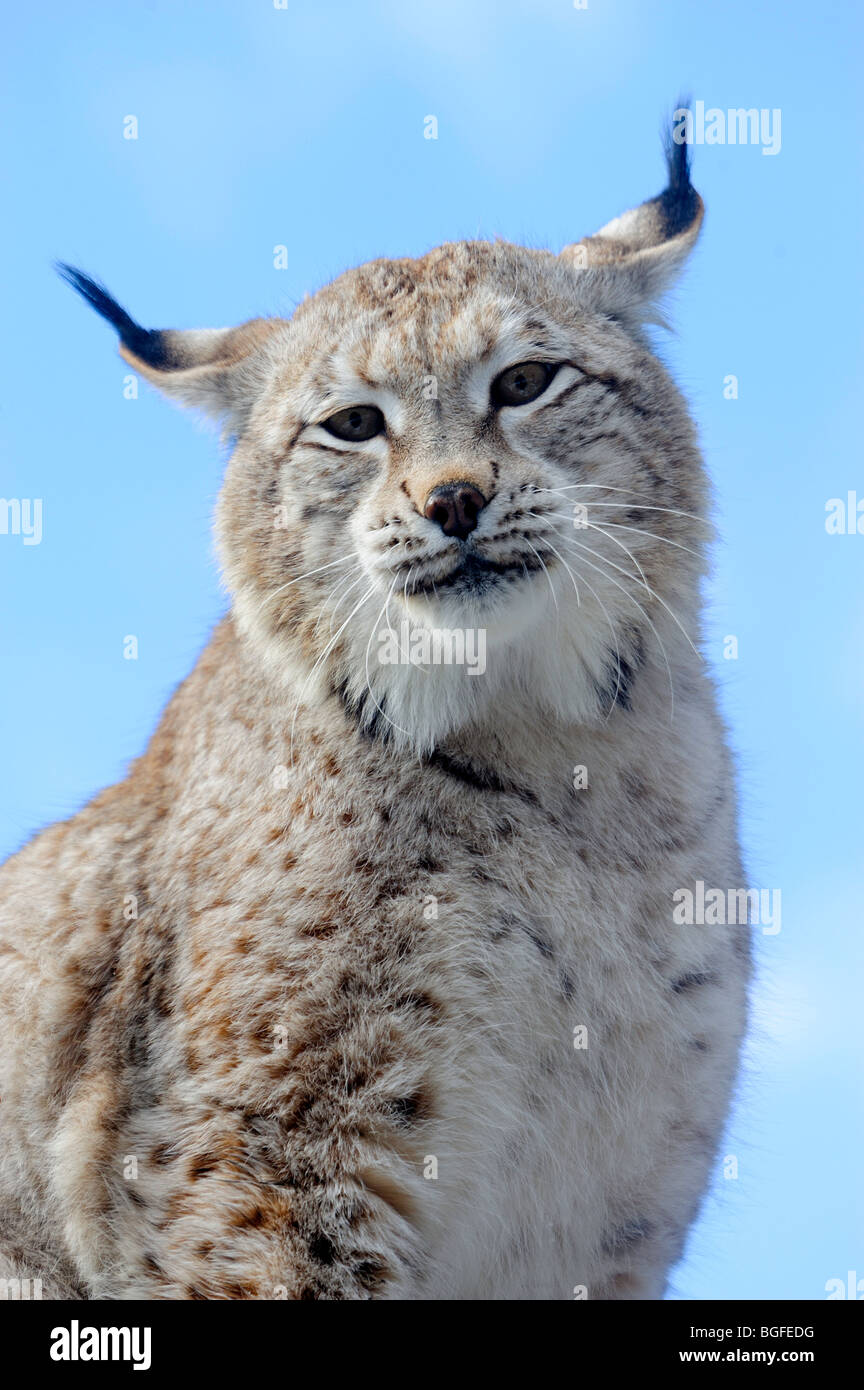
{"points": [[148, 345], [679, 205], [196, 366], [644, 248]]}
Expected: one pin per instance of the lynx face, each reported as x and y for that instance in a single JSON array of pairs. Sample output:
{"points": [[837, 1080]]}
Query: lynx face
{"points": [[478, 444]]}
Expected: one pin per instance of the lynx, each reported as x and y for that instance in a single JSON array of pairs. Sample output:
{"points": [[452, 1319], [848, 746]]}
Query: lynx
{"points": [[364, 983]]}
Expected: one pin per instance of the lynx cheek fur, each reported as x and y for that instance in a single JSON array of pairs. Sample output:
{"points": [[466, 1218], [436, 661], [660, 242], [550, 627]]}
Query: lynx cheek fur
{"points": [[291, 1011]]}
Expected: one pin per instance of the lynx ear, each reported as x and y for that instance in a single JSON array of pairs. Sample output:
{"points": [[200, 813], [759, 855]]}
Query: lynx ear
{"points": [[632, 260], [208, 368]]}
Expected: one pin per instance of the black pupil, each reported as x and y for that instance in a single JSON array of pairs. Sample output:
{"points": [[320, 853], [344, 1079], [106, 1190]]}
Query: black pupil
{"points": [[521, 382], [355, 420]]}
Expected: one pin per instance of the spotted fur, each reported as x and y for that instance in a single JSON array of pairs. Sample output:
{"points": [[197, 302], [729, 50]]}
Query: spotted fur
{"points": [[290, 1012]]}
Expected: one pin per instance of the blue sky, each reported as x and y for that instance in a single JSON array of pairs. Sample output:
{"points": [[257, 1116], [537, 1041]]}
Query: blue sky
{"points": [[303, 127]]}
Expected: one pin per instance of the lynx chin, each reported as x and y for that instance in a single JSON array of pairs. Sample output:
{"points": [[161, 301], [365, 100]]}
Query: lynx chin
{"points": [[290, 1011]]}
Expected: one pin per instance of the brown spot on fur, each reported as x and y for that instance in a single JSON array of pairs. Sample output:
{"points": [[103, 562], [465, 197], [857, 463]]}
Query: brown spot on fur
{"points": [[265, 1036], [163, 1154], [371, 1275], [423, 1003], [309, 1293], [201, 1166], [251, 1219], [92, 982], [408, 1110], [319, 928]]}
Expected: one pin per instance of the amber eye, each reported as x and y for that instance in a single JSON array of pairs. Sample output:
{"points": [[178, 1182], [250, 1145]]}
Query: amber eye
{"points": [[357, 422], [522, 383]]}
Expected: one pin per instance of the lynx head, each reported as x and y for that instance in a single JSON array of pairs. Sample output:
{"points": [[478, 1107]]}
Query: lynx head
{"points": [[474, 454]]}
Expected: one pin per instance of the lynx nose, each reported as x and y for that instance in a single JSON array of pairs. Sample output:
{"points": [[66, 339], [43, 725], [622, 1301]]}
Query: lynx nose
{"points": [[455, 507]]}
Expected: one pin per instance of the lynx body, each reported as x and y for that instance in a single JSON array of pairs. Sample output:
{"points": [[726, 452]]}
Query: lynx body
{"points": [[366, 983]]}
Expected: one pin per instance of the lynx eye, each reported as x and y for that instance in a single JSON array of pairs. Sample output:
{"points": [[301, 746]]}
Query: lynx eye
{"points": [[357, 422], [522, 383]]}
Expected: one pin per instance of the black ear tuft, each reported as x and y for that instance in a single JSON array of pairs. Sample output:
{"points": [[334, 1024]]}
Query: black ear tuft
{"points": [[148, 344], [679, 201]]}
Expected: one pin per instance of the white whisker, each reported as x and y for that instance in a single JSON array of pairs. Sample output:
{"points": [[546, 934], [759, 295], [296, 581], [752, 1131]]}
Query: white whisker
{"points": [[331, 595], [342, 597], [567, 568], [653, 593], [352, 554], [636, 502], [637, 531], [638, 605], [546, 572], [614, 642], [366, 664], [628, 553], [620, 526], [323, 657]]}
